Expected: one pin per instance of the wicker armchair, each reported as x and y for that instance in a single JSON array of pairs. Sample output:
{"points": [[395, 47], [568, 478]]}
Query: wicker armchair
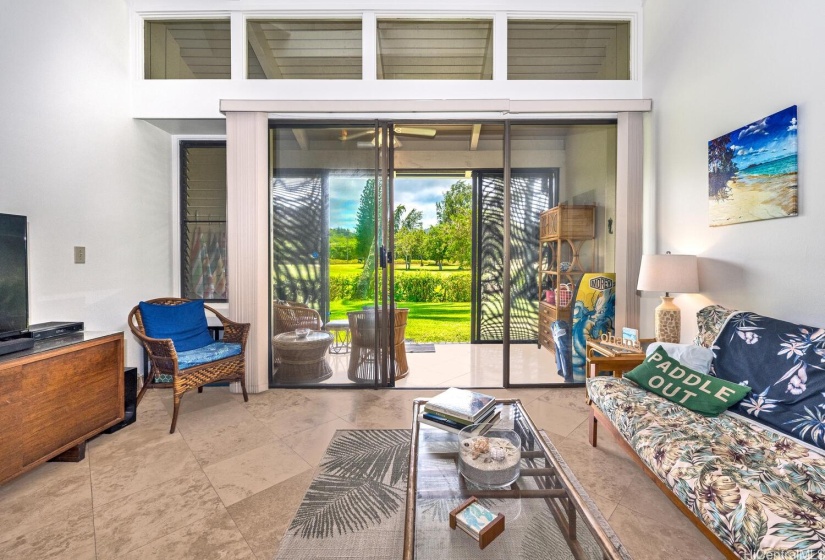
{"points": [[290, 315], [164, 358], [362, 365]]}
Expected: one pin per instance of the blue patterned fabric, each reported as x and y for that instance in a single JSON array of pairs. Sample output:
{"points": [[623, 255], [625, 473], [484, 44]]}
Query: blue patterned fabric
{"points": [[185, 324], [783, 364], [210, 353]]}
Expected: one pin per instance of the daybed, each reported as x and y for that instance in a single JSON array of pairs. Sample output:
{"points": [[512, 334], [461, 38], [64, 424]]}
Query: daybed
{"points": [[753, 490]]}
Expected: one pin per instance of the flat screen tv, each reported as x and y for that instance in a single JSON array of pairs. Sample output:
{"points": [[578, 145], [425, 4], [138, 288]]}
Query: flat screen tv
{"points": [[14, 286]]}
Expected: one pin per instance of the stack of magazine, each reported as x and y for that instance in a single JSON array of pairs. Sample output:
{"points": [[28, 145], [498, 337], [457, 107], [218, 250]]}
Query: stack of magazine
{"points": [[455, 409]]}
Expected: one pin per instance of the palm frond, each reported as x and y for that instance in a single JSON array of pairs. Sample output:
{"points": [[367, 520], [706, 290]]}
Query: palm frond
{"points": [[335, 505], [369, 454]]}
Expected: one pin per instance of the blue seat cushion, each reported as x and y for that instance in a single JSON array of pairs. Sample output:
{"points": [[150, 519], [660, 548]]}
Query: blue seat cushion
{"points": [[210, 353], [185, 324]]}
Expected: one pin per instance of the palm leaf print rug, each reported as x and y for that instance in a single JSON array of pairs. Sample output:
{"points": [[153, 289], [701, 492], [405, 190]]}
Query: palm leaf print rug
{"points": [[354, 507]]}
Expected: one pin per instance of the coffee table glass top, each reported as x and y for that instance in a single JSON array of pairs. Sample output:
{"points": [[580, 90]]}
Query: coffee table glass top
{"points": [[547, 512]]}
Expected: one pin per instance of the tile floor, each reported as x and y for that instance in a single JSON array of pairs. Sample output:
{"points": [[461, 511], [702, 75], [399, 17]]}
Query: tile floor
{"points": [[228, 482], [465, 365]]}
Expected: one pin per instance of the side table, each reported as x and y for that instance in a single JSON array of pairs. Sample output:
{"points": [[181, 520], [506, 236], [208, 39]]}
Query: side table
{"points": [[339, 329], [601, 358]]}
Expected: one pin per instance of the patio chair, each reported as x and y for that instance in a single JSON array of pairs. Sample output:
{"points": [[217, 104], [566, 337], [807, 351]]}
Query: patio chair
{"points": [[199, 359], [362, 363]]}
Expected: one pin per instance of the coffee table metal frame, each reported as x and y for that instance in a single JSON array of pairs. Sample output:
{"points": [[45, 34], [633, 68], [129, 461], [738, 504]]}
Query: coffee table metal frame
{"points": [[556, 486]]}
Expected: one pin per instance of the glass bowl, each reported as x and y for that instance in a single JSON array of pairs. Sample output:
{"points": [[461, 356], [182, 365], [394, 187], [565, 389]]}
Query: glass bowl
{"points": [[301, 333], [491, 460]]}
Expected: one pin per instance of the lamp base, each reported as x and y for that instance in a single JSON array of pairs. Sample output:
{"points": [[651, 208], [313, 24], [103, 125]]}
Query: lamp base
{"points": [[668, 321]]}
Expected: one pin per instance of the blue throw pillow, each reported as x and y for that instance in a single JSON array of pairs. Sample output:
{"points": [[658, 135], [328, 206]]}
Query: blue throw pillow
{"points": [[185, 324]]}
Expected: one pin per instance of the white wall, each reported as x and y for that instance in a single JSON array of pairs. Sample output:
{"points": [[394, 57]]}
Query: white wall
{"points": [[711, 67], [590, 178], [74, 161]]}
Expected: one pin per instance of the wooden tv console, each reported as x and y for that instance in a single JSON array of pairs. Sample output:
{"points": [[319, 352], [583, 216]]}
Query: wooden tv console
{"points": [[56, 396]]}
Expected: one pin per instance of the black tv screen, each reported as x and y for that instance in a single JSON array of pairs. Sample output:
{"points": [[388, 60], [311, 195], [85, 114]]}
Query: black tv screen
{"points": [[14, 288]]}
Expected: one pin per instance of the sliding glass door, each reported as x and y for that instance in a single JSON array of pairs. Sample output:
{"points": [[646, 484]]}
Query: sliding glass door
{"points": [[411, 250]]}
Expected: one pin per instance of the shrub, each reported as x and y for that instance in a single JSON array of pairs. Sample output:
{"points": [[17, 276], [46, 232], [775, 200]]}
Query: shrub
{"points": [[422, 287]]}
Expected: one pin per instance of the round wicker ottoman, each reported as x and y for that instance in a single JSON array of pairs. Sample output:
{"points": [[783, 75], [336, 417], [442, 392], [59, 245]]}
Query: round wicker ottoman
{"points": [[302, 359]]}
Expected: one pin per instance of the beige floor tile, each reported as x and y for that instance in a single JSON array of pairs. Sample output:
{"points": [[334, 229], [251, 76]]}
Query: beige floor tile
{"points": [[644, 497], [572, 398], [647, 539], [599, 472], [283, 423], [248, 473], [128, 524], [72, 537], [311, 444], [48, 494], [131, 465], [382, 415], [605, 505], [223, 431], [214, 537], [605, 441], [554, 418], [192, 400], [264, 517]]}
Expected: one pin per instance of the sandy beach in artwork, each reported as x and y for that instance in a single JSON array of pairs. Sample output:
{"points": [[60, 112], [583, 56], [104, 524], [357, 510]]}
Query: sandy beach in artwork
{"points": [[755, 197]]}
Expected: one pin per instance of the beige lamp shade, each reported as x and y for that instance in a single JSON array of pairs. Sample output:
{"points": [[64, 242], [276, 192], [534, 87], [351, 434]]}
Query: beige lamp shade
{"points": [[668, 273]]}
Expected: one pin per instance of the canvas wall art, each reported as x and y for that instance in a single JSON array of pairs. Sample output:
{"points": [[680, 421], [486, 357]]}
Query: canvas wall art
{"points": [[752, 171]]}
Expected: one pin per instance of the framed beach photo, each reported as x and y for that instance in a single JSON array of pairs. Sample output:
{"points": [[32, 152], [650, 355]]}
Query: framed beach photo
{"points": [[752, 171]]}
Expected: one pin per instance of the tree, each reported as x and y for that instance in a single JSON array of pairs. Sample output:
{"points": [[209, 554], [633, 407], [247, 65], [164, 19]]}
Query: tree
{"points": [[437, 245], [409, 243], [341, 244], [456, 200], [454, 238], [413, 220], [365, 221], [460, 236]]}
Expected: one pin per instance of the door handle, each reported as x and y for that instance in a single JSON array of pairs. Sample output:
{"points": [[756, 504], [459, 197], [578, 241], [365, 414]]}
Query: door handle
{"points": [[383, 257]]}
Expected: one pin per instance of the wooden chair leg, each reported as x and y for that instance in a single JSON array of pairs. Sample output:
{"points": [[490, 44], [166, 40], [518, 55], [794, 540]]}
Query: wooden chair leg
{"points": [[592, 424], [242, 379], [175, 413]]}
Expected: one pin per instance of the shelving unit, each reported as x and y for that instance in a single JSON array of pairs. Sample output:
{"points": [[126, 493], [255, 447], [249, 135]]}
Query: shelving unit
{"points": [[563, 232]]}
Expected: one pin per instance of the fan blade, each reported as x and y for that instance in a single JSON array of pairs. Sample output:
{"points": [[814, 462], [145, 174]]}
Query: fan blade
{"points": [[356, 135], [412, 131]]}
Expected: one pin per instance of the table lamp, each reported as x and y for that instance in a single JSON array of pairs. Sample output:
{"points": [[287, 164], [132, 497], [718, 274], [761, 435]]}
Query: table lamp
{"points": [[668, 273]]}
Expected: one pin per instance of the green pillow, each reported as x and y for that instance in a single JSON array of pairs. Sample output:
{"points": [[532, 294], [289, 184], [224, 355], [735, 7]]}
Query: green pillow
{"points": [[701, 393]]}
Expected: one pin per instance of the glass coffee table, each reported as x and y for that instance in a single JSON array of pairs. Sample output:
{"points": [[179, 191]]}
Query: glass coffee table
{"points": [[546, 511]]}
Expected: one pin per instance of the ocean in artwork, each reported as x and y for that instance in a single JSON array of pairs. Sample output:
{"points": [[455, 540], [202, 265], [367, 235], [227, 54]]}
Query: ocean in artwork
{"points": [[752, 171]]}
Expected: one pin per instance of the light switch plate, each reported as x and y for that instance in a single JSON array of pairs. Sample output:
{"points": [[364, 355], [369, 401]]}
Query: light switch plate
{"points": [[80, 255]]}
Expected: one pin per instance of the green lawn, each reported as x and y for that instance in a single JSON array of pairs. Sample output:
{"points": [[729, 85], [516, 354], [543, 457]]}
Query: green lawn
{"points": [[426, 322]]}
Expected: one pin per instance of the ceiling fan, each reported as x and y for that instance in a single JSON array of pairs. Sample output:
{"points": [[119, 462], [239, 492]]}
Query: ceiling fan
{"points": [[399, 131]]}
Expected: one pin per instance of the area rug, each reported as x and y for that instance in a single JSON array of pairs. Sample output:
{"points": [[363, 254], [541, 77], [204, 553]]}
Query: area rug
{"points": [[423, 348], [355, 506]]}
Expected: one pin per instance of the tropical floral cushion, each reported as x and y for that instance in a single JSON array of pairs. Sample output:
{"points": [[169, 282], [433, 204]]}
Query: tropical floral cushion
{"points": [[784, 365], [711, 319], [759, 492]]}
